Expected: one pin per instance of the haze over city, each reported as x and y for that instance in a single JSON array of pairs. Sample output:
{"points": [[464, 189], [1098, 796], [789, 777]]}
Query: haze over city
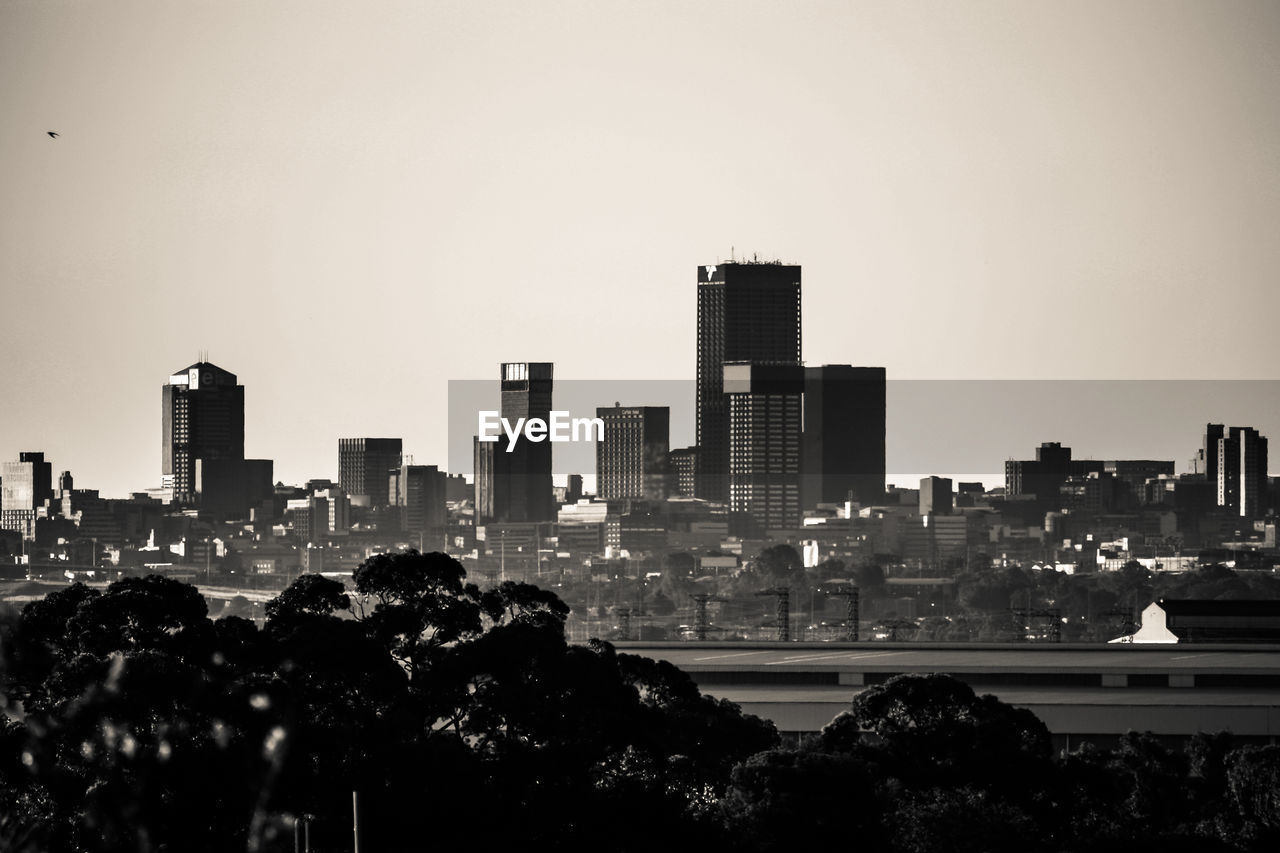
{"points": [[348, 206]]}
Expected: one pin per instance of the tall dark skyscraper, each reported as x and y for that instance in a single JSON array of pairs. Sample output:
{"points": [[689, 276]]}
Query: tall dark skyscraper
{"points": [[513, 482], [765, 412], [844, 434], [365, 465], [202, 417], [631, 460], [747, 312]]}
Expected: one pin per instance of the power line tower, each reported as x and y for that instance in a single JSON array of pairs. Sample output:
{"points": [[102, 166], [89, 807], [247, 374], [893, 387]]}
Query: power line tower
{"points": [[850, 595], [782, 615], [701, 622]]}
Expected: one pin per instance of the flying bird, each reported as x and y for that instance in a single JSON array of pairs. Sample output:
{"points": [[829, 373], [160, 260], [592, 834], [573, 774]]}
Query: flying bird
{"points": [[53, 134]]}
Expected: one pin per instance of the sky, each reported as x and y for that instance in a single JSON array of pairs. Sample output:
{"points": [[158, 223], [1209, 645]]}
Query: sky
{"points": [[350, 204]]}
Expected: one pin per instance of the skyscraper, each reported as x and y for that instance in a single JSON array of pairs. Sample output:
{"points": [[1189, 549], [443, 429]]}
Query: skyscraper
{"points": [[365, 465], [513, 481], [765, 409], [631, 459], [1236, 467], [844, 434], [202, 417], [26, 485], [747, 312], [419, 493]]}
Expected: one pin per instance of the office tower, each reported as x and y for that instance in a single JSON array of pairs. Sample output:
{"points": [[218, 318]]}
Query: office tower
{"points": [[747, 312], [26, 485], [683, 463], [844, 434], [765, 410], [202, 418], [631, 458], [935, 496], [573, 489], [513, 480], [364, 464], [1236, 466], [419, 493]]}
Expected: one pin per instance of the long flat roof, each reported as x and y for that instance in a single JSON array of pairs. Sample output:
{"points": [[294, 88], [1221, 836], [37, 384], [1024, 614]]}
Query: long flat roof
{"points": [[696, 657]]}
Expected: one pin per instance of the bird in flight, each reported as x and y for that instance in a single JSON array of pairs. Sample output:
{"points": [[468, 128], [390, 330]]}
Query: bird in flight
{"points": [[53, 134]]}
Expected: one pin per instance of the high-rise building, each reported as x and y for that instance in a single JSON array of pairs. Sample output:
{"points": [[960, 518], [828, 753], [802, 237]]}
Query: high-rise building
{"points": [[936, 497], [631, 458], [844, 434], [513, 480], [419, 492], [683, 462], [765, 411], [747, 312], [364, 465], [26, 485], [1236, 465], [202, 417]]}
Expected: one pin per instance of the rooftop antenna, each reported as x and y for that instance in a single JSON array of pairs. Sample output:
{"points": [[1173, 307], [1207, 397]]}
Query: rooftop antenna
{"points": [[731, 255]]}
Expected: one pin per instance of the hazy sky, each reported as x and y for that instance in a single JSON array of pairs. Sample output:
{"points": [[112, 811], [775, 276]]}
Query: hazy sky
{"points": [[348, 204]]}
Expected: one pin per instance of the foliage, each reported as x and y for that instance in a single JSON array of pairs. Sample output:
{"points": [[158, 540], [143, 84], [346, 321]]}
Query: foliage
{"points": [[141, 724]]}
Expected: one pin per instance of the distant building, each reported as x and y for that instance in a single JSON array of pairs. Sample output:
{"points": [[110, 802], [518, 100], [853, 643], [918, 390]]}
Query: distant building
{"points": [[513, 483], [364, 464], [631, 459], [683, 463], [419, 491], [1203, 621], [936, 497], [765, 416], [573, 488], [230, 488], [844, 434], [747, 312], [202, 417], [25, 487], [1235, 460], [1043, 476]]}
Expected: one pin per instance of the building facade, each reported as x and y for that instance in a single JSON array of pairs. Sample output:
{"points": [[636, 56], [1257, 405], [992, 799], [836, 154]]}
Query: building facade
{"points": [[765, 413], [747, 312], [513, 483], [631, 458], [25, 487], [364, 465], [202, 417], [844, 434]]}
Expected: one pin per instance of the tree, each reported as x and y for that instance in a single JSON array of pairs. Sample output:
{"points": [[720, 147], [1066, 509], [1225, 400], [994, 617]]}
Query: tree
{"points": [[421, 605], [802, 799]]}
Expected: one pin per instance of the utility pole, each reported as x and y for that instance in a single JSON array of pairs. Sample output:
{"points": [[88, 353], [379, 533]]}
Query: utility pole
{"points": [[355, 819]]}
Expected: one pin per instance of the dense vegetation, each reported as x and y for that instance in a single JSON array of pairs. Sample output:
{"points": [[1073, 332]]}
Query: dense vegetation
{"points": [[463, 717]]}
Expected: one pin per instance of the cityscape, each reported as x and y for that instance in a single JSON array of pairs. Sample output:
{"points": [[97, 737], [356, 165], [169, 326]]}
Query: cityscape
{"points": [[729, 426], [789, 464]]}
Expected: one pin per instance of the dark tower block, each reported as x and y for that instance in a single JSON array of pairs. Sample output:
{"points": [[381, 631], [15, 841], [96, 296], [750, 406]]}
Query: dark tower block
{"points": [[747, 312]]}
